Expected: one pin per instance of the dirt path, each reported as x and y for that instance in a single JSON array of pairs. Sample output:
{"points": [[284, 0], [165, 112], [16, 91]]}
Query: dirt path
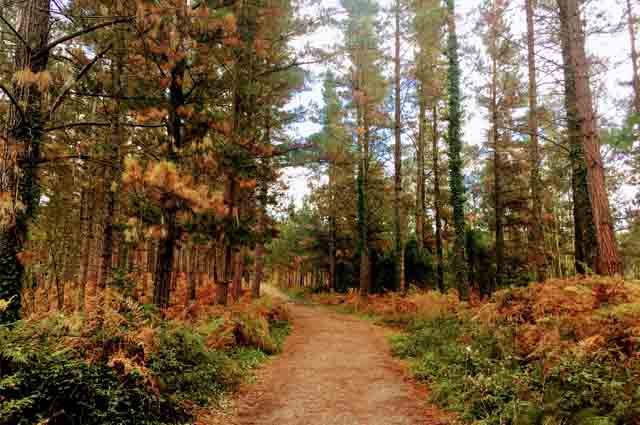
{"points": [[335, 370]]}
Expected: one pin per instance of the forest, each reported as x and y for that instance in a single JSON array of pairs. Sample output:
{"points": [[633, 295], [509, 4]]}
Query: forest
{"points": [[319, 212]]}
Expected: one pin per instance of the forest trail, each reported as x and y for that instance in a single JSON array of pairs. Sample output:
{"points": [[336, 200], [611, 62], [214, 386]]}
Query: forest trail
{"points": [[335, 370]]}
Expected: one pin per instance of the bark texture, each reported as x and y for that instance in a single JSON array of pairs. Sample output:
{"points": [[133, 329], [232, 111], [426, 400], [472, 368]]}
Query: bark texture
{"points": [[607, 259], [536, 225], [20, 152]]}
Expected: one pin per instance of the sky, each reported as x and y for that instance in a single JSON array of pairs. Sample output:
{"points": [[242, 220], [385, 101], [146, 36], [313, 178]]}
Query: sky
{"points": [[613, 49]]}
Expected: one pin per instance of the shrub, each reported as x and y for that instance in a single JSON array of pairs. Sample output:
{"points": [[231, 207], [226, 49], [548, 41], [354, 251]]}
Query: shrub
{"points": [[187, 370], [37, 385], [472, 369], [120, 363]]}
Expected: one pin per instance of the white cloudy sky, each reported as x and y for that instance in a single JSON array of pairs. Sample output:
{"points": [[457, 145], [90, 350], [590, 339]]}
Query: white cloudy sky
{"points": [[612, 48]]}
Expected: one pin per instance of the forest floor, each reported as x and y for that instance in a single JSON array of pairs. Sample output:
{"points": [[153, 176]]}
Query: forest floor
{"points": [[335, 369]]}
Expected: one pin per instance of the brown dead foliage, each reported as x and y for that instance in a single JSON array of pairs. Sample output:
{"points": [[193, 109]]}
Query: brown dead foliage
{"points": [[394, 307], [591, 317], [586, 316]]}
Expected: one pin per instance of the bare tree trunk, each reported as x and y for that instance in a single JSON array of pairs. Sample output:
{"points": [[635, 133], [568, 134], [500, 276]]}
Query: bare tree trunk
{"points": [[420, 175], [586, 243], [609, 261], [536, 227], [497, 173], [332, 231], [437, 200], [88, 210], [261, 229], [113, 168], [397, 208], [193, 272], [238, 272], [363, 211]]}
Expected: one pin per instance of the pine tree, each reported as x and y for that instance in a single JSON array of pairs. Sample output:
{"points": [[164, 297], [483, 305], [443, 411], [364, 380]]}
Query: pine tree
{"points": [[596, 245], [454, 139], [362, 47], [635, 81], [21, 147], [536, 228], [429, 30], [397, 157]]}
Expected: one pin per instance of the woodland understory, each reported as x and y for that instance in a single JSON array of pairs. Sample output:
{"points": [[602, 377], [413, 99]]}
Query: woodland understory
{"points": [[470, 173]]}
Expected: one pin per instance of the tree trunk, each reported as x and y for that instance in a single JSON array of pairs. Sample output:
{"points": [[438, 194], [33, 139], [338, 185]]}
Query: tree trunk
{"points": [[437, 199], [332, 231], [497, 172], [608, 260], [193, 272], [363, 211], [165, 260], [88, 211], [222, 292], [536, 226], [456, 178], [420, 175], [177, 100], [228, 249], [631, 19], [114, 164], [585, 239], [238, 272], [164, 270], [261, 229], [397, 208], [20, 152]]}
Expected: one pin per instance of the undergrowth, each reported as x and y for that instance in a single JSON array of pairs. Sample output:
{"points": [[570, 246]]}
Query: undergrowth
{"points": [[124, 364]]}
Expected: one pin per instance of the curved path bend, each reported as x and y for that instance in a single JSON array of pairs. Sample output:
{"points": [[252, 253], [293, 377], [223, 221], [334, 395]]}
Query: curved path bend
{"points": [[334, 370]]}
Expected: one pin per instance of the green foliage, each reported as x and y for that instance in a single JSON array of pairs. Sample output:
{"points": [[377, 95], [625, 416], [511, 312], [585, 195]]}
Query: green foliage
{"points": [[37, 384], [248, 358], [418, 268], [279, 330], [185, 368], [56, 370], [11, 272], [470, 372]]}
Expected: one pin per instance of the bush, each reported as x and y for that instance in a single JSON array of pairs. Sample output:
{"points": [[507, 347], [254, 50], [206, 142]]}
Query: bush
{"points": [[470, 372], [187, 370], [37, 385], [123, 364]]}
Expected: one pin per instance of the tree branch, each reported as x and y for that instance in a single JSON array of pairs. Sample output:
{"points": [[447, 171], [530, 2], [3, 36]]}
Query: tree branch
{"points": [[13, 100], [542, 136], [100, 124], [84, 70], [80, 33], [15, 32], [288, 66]]}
